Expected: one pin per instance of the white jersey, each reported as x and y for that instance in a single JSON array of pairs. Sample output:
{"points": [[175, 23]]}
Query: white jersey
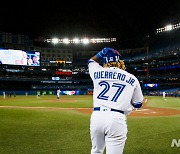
{"points": [[58, 92], [114, 88], [164, 94]]}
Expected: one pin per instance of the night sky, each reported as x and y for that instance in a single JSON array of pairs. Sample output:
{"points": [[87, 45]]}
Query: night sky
{"points": [[126, 20]]}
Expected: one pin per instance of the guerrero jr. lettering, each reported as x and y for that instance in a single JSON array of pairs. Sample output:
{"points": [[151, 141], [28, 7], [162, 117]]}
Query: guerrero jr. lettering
{"points": [[114, 76], [130, 81]]}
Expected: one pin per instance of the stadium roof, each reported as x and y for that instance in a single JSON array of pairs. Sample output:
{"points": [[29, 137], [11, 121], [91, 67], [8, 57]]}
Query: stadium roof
{"points": [[127, 20]]}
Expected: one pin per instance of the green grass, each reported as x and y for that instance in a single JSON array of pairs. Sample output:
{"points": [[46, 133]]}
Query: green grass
{"points": [[152, 135], [43, 132], [24, 131], [159, 102], [49, 101]]}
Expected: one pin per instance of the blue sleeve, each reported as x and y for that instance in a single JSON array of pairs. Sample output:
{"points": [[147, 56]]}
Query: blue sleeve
{"points": [[99, 55]]}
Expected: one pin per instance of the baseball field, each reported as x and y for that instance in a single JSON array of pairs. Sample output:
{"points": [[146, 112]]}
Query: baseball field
{"points": [[45, 125]]}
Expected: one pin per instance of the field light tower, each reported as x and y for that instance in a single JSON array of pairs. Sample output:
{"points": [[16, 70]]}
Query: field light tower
{"points": [[55, 40], [76, 40], [85, 41], [66, 41], [80, 40], [168, 28]]}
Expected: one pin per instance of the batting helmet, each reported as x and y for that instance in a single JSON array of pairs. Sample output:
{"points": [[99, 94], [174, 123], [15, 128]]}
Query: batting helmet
{"points": [[111, 55]]}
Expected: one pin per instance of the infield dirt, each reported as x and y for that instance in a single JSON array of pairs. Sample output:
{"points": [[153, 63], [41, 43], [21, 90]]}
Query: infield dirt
{"points": [[144, 111]]}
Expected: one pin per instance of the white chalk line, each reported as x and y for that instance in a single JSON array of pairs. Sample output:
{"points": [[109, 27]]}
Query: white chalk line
{"points": [[35, 107], [144, 111]]}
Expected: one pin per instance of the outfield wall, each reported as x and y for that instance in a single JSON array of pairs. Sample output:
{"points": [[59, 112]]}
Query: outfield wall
{"points": [[13, 93]]}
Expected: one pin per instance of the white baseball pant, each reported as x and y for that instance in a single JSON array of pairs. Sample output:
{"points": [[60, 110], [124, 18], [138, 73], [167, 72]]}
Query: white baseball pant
{"points": [[108, 129]]}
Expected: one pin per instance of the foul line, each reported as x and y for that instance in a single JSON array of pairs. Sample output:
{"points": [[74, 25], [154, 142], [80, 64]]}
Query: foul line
{"points": [[28, 107]]}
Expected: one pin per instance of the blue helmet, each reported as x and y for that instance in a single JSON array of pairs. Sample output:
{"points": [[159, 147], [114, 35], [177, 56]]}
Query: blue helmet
{"points": [[110, 55]]}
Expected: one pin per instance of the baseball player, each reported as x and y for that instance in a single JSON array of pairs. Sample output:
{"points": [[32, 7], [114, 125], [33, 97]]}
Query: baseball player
{"points": [[58, 93], [164, 94], [116, 93]]}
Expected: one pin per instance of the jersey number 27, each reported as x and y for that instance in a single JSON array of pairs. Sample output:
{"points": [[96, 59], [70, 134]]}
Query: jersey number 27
{"points": [[107, 87]]}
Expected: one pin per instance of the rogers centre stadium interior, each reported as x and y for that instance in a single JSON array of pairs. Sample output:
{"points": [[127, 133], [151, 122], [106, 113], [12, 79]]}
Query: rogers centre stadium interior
{"points": [[155, 63]]}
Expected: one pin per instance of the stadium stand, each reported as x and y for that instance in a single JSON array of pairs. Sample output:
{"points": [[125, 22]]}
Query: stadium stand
{"points": [[156, 66]]}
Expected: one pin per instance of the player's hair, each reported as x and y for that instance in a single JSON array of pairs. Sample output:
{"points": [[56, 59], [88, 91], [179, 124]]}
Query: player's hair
{"points": [[119, 64]]}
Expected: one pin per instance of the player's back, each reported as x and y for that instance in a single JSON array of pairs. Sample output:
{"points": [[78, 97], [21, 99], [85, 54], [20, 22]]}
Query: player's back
{"points": [[114, 88]]}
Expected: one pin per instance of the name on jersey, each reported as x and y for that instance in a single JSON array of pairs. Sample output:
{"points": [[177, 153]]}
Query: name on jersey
{"points": [[113, 75]]}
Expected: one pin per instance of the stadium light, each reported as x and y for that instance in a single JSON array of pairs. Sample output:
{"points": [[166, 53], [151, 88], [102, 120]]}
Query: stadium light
{"points": [[66, 41], [75, 40], [78, 40], [168, 28], [85, 41], [55, 40]]}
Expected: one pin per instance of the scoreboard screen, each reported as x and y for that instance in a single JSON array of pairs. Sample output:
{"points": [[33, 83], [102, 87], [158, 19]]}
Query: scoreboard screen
{"points": [[19, 57]]}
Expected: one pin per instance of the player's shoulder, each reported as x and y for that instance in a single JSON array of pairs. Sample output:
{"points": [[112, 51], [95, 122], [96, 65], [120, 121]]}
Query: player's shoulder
{"points": [[90, 61], [132, 75], [93, 64]]}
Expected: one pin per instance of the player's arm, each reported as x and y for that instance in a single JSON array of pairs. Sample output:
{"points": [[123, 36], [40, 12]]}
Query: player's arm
{"points": [[94, 62], [137, 99], [95, 59], [98, 57], [93, 65]]}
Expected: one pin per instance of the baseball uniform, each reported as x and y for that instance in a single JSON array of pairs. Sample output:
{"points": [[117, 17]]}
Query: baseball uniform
{"points": [[115, 94], [58, 93]]}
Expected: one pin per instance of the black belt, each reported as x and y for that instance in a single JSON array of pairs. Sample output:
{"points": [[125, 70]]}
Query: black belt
{"points": [[115, 110]]}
